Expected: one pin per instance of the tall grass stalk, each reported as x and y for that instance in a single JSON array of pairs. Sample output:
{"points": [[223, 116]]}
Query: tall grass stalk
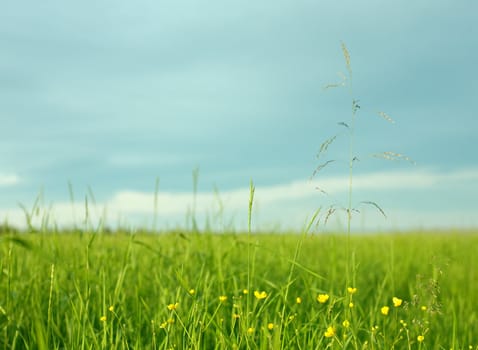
{"points": [[155, 205], [71, 194], [354, 110], [250, 264], [347, 81], [194, 223], [50, 300]]}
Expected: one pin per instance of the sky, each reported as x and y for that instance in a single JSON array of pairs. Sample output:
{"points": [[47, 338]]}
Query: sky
{"points": [[151, 113]]}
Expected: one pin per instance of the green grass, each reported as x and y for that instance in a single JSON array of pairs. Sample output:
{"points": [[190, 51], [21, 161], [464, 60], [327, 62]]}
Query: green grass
{"points": [[55, 290]]}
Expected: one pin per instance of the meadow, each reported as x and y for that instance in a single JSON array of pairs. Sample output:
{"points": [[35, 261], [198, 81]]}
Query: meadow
{"points": [[192, 289], [177, 290]]}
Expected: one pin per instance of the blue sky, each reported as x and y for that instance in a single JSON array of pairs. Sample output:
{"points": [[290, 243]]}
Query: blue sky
{"points": [[110, 95]]}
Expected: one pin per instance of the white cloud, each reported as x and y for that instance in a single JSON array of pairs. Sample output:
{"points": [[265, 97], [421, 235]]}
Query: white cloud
{"points": [[9, 180], [286, 205]]}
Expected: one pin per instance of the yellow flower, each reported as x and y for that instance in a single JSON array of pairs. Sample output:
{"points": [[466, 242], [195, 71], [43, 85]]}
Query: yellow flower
{"points": [[322, 298], [245, 291], [236, 316], [298, 300], [420, 338], [250, 330], [170, 320], [396, 301], [163, 325], [384, 310], [330, 332], [423, 308], [352, 290], [192, 291], [270, 326], [111, 308], [351, 305], [103, 318], [260, 295], [172, 307], [222, 298], [346, 324]]}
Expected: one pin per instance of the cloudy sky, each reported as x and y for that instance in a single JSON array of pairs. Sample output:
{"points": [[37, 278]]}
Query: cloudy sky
{"points": [[99, 99]]}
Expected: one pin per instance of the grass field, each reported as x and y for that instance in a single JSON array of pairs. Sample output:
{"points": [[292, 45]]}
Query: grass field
{"points": [[238, 291], [177, 290]]}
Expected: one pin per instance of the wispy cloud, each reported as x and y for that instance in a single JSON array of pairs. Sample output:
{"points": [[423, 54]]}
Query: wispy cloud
{"points": [[396, 180]]}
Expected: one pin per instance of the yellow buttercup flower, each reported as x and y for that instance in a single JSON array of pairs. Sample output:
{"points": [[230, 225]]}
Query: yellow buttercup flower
{"points": [[111, 308], [298, 300], [250, 330], [420, 338], [352, 290], [172, 307], [270, 326], [346, 324], [384, 310], [322, 298], [397, 301], [192, 291], [103, 318], [260, 295], [330, 332], [223, 298]]}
